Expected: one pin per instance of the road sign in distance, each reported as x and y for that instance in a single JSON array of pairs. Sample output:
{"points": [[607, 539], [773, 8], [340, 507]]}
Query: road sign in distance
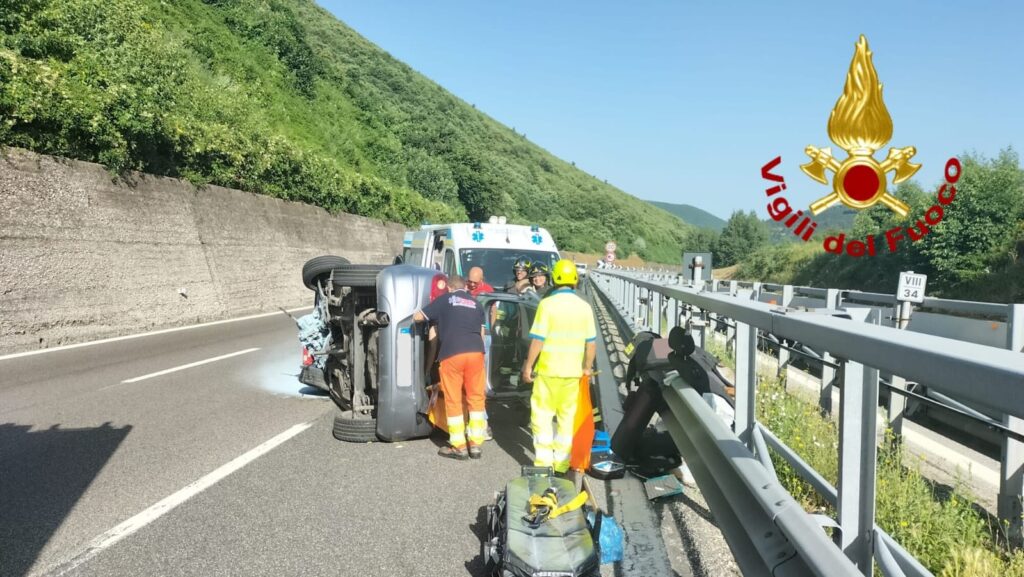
{"points": [[911, 287]]}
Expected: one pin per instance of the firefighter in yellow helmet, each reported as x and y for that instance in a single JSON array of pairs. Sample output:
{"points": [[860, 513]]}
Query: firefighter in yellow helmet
{"points": [[562, 350]]}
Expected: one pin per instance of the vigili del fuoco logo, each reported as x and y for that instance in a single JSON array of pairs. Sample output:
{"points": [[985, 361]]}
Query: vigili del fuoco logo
{"points": [[860, 125]]}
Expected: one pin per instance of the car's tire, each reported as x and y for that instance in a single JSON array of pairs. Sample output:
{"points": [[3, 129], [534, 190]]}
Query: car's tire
{"points": [[355, 430], [357, 275], [319, 266]]}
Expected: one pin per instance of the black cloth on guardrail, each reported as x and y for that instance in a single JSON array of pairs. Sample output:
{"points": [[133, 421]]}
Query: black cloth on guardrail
{"points": [[646, 451]]}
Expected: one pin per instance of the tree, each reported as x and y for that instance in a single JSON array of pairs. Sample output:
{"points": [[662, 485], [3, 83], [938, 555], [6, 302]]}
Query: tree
{"points": [[979, 226], [700, 240], [742, 235], [431, 177]]}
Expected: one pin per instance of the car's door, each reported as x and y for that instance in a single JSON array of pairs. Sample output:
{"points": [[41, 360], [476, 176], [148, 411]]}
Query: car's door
{"points": [[504, 336]]}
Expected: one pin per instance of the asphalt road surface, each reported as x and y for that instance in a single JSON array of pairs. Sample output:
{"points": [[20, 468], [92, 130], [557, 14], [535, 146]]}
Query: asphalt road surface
{"points": [[195, 452]]}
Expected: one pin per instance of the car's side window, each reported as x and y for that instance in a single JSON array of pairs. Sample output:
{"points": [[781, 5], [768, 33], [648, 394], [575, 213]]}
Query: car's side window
{"points": [[413, 256], [449, 262]]}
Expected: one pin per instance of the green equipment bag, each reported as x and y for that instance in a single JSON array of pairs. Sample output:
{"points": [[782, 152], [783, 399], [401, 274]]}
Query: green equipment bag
{"points": [[537, 526]]}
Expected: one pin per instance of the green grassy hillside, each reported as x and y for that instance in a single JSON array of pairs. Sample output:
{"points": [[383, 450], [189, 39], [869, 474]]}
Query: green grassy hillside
{"points": [[692, 215], [279, 97]]}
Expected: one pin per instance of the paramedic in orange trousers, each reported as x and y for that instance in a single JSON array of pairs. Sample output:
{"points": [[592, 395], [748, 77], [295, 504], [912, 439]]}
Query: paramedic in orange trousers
{"points": [[460, 328]]}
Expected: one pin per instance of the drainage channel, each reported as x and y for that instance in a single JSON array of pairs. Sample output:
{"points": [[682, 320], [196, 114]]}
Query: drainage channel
{"points": [[674, 536]]}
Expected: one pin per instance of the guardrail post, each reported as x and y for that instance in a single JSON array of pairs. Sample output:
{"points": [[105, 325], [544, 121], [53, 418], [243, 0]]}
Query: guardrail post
{"points": [[857, 461], [746, 381], [897, 405], [757, 291], [698, 329], [828, 379], [733, 285], [642, 303], [672, 313], [657, 325], [787, 298], [828, 373], [730, 336], [897, 402], [714, 285], [633, 304], [647, 305], [631, 300], [832, 298], [648, 309], [654, 317], [1011, 467]]}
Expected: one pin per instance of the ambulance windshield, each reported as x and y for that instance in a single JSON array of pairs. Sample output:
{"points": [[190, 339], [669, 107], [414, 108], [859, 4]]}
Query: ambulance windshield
{"points": [[497, 262]]}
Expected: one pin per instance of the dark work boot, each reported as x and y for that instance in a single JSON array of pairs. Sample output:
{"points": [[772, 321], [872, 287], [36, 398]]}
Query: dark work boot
{"points": [[475, 452], [450, 452]]}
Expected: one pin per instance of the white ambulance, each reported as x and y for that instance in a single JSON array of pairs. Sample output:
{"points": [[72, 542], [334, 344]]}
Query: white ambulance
{"points": [[494, 246]]}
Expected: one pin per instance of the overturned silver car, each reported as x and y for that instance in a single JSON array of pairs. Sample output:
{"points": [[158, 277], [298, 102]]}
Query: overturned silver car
{"points": [[361, 345]]}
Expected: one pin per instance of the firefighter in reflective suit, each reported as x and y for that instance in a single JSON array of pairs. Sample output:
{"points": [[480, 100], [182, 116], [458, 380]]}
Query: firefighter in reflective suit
{"points": [[562, 350]]}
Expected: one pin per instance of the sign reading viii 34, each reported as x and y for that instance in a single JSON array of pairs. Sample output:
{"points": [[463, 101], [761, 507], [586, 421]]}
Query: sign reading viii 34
{"points": [[860, 125]]}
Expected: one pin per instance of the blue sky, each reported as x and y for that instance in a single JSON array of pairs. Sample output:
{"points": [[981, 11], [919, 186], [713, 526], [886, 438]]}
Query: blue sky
{"points": [[684, 101]]}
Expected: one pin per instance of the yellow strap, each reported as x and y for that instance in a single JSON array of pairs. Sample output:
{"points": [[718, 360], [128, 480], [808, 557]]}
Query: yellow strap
{"points": [[576, 503], [549, 500], [546, 500]]}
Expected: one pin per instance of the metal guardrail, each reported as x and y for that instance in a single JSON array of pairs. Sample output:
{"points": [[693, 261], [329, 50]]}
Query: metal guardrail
{"points": [[959, 321], [733, 469], [959, 307]]}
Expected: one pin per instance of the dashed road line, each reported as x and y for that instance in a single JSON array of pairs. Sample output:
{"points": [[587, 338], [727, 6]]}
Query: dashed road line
{"points": [[169, 503], [183, 367]]}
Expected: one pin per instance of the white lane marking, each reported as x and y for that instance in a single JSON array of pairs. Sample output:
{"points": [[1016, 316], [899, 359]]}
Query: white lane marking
{"points": [[183, 367], [149, 334], [167, 504]]}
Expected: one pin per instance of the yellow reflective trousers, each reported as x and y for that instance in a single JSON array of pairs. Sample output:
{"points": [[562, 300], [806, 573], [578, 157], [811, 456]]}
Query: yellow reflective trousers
{"points": [[553, 398]]}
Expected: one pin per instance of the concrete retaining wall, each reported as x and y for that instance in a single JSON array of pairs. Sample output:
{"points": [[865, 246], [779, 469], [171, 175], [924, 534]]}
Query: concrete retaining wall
{"points": [[84, 255]]}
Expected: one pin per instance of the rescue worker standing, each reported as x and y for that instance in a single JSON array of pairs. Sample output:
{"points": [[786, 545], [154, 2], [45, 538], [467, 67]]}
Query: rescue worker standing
{"points": [[460, 321], [563, 347]]}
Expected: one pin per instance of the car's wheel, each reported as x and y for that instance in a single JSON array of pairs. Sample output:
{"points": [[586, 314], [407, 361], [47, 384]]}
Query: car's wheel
{"points": [[320, 266], [353, 430], [357, 275]]}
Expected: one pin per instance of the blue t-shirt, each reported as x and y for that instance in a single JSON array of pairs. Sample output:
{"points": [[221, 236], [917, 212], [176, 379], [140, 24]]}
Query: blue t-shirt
{"points": [[459, 319]]}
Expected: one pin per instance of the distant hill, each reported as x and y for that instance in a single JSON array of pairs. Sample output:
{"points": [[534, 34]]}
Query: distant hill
{"points": [[691, 214], [279, 97], [836, 218]]}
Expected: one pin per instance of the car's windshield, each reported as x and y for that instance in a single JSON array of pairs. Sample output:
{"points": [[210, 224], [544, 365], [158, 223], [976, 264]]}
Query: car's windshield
{"points": [[497, 262]]}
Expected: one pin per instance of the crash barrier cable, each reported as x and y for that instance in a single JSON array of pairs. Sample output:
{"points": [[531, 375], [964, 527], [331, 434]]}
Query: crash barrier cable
{"points": [[947, 404], [727, 465]]}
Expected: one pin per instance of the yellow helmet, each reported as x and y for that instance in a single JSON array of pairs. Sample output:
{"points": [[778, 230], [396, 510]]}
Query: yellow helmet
{"points": [[564, 273]]}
